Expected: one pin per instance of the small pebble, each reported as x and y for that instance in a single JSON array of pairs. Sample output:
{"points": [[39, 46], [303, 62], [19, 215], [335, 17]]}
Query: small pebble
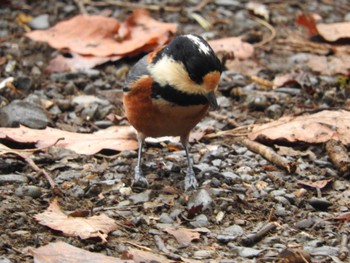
{"points": [[22, 112], [141, 197], [4, 259], [13, 178], [200, 198], [320, 204], [40, 22], [274, 111], [200, 221], [246, 252], [165, 218], [304, 224], [202, 254], [322, 251], [28, 190]]}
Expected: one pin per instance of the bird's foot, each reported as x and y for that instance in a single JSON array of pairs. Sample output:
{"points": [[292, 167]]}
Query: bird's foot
{"points": [[190, 181], [139, 179]]}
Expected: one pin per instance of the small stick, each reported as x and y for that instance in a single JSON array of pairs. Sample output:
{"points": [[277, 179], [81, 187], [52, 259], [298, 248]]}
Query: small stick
{"points": [[25, 157], [160, 244], [269, 27], [252, 239], [339, 156], [138, 246], [269, 154], [343, 250], [236, 132], [80, 4], [127, 4], [221, 117]]}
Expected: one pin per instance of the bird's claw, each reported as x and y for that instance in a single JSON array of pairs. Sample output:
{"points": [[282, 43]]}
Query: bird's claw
{"points": [[139, 179], [190, 181]]}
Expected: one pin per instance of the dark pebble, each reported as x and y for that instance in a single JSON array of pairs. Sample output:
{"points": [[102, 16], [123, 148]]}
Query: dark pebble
{"points": [[29, 190], [13, 178], [200, 198], [200, 221], [274, 111], [320, 204], [21, 112], [304, 224]]}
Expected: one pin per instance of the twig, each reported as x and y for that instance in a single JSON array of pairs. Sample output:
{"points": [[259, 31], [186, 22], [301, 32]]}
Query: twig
{"points": [[339, 156], [252, 239], [268, 26], [80, 4], [343, 249], [236, 132], [221, 117], [24, 154], [34, 167], [139, 246], [8, 37], [269, 154], [127, 4], [266, 84], [277, 180], [201, 20]]}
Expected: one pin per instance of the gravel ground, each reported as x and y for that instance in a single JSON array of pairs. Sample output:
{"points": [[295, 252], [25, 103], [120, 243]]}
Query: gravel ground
{"points": [[246, 210]]}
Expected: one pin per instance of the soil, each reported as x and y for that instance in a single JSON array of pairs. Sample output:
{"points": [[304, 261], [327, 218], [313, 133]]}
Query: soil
{"points": [[246, 192]]}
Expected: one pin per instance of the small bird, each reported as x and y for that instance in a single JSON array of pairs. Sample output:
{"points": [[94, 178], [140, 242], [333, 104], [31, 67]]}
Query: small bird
{"points": [[169, 91]]}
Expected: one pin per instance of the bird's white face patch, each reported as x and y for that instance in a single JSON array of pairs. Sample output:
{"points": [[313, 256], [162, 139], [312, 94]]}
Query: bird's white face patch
{"points": [[202, 47]]}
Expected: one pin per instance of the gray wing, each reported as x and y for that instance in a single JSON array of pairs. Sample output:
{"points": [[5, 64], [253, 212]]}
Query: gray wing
{"points": [[138, 70]]}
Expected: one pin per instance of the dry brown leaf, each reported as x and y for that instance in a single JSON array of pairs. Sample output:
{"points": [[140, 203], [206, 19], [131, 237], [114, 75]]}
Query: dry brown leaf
{"points": [[317, 184], [308, 21], [245, 67], [183, 235], [98, 35], [84, 227], [118, 138], [335, 31], [240, 49], [140, 256], [314, 128], [77, 62], [329, 65], [62, 252], [258, 9]]}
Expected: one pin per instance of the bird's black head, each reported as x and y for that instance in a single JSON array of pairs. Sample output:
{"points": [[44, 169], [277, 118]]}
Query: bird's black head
{"points": [[194, 53]]}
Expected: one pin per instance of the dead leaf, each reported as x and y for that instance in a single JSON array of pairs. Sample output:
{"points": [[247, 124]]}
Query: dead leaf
{"points": [[245, 67], [77, 62], [240, 49], [342, 217], [335, 31], [183, 235], [140, 256], [118, 138], [288, 151], [84, 227], [96, 35], [329, 65], [62, 252], [330, 32], [290, 255], [317, 184], [258, 9], [307, 21], [314, 128]]}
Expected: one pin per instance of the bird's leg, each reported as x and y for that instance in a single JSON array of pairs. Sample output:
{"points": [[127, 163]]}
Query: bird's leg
{"points": [[140, 179], [190, 179]]}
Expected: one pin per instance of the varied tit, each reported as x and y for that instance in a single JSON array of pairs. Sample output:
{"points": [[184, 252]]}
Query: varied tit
{"points": [[169, 91]]}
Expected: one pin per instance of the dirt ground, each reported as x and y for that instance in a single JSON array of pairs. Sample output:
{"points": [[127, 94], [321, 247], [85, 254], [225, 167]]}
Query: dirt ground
{"points": [[240, 192]]}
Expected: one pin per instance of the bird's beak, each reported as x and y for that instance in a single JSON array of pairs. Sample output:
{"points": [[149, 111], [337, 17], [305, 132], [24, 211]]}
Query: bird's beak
{"points": [[212, 100]]}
